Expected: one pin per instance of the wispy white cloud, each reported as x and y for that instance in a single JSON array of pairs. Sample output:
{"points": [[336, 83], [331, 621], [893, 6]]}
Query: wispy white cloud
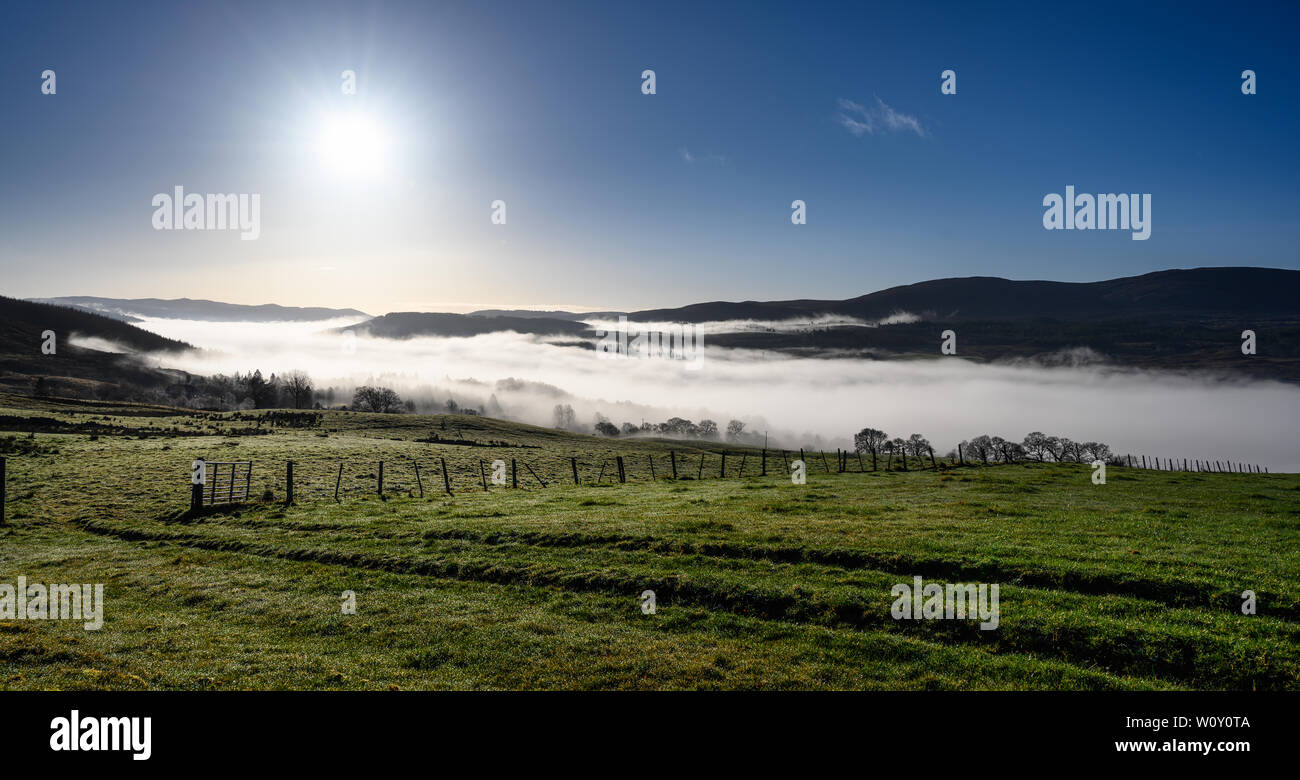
{"points": [[881, 118], [707, 157]]}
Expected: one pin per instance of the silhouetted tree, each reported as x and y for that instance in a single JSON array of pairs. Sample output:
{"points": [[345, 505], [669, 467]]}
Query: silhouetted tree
{"points": [[869, 440], [375, 399], [298, 387]]}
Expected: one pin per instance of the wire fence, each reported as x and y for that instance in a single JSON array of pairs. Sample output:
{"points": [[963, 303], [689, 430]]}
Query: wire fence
{"points": [[326, 478]]}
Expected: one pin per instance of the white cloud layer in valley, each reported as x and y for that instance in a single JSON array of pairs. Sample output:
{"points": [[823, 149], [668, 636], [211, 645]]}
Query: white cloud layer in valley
{"points": [[799, 401]]}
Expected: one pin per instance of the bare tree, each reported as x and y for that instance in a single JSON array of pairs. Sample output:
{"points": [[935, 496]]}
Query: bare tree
{"points": [[298, 387], [1095, 450], [899, 447], [1036, 445], [376, 399], [982, 447], [869, 440]]}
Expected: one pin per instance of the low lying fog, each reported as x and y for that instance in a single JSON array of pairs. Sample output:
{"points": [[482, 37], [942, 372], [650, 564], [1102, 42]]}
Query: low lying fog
{"points": [[799, 401]]}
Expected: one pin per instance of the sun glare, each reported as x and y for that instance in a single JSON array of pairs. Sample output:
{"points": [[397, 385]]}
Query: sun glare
{"points": [[353, 144]]}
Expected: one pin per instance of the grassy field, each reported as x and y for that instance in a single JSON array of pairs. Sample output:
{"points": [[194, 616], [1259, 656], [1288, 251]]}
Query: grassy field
{"points": [[759, 583]]}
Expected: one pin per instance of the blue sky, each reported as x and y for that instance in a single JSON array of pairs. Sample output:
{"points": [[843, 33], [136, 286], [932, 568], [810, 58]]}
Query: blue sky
{"points": [[622, 200]]}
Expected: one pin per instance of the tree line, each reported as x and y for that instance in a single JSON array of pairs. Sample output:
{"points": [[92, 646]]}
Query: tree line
{"points": [[989, 449], [673, 427]]}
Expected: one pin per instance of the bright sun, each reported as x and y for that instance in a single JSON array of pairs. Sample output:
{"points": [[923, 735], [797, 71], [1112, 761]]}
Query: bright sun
{"points": [[353, 144]]}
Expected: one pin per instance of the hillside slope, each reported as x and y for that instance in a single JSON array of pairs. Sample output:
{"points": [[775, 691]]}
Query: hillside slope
{"points": [[1198, 294], [22, 361]]}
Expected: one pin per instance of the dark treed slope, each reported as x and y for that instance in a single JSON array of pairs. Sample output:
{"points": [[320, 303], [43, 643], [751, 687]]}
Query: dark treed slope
{"points": [[22, 324]]}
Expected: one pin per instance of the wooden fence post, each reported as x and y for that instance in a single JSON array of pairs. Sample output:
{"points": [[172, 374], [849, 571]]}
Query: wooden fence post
{"points": [[652, 468], [573, 463], [337, 481], [418, 481], [763, 473], [514, 474], [196, 493], [722, 472], [288, 483], [446, 478], [381, 478], [481, 475], [622, 475], [743, 456], [672, 457], [701, 474]]}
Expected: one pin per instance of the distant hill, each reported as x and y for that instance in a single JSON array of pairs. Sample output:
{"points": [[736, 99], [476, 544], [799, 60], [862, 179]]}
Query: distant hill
{"points": [[22, 324], [131, 309], [554, 315], [405, 325], [1199, 294], [1176, 320]]}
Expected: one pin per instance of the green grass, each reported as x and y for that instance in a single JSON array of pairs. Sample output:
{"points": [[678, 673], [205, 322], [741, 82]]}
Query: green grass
{"points": [[759, 583]]}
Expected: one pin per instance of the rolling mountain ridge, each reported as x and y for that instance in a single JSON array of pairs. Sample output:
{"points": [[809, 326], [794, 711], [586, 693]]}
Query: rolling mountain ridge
{"points": [[1182, 295], [132, 309]]}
